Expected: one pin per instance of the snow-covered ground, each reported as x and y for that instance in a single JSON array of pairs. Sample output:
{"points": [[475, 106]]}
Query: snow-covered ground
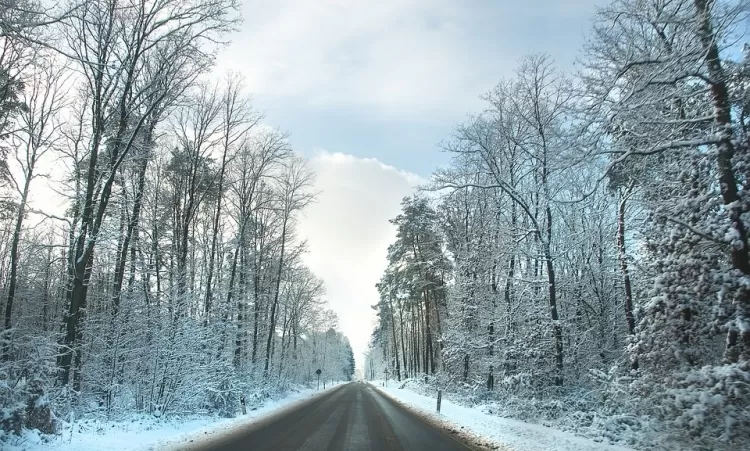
{"points": [[504, 432], [144, 432]]}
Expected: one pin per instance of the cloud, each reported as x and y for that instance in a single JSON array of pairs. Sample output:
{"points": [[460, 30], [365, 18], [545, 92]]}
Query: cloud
{"points": [[396, 57], [348, 234]]}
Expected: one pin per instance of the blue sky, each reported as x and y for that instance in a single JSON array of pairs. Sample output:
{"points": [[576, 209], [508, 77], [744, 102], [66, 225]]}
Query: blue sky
{"points": [[367, 90], [391, 79]]}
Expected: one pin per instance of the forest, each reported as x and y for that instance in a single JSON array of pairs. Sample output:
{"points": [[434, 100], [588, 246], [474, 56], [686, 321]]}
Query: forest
{"points": [[583, 259], [582, 262], [164, 273]]}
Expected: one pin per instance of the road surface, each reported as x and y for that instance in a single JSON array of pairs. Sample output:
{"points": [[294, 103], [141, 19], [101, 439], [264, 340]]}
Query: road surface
{"points": [[352, 417]]}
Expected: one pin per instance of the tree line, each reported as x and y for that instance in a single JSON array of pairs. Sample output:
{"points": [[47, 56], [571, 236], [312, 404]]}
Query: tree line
{"points": [[588, 242], [170, 279]]}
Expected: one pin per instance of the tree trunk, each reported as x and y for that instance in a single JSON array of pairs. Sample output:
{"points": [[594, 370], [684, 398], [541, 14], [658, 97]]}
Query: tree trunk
{"points": [[76, 299], [131, 227], [395, 342], [629, 317], [429, 351], [551, 290], [214, 239], [256, 300], [240, 327], [14, 262], [403, 344], [466, 367], [272, 322], [738, 338]]}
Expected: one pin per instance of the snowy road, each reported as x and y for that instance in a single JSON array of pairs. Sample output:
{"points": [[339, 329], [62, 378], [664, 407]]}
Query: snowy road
{"points": [[352, 417]]}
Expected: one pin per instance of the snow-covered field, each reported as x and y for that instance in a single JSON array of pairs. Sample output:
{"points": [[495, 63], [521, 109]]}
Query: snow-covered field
{"points": [[145, 432], [508, 433]]}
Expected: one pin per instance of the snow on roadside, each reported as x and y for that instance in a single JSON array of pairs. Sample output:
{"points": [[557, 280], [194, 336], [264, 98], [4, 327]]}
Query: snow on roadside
{"points": [[144, 432], [514, 434]]}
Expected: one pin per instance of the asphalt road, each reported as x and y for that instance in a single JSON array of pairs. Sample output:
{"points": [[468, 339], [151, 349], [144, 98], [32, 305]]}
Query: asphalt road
{"points": [[349, 418]]}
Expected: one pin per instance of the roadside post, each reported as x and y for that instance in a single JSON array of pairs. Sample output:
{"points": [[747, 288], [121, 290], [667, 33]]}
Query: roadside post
{"points": [[242, 401], [440, 398], [318, 373], [386, 377]]}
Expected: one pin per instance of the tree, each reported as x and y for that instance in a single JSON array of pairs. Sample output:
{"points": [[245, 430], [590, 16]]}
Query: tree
{"points": [[39, 133], [413, 285], [167, 33], [237, 119], [666, 103], [524, 128], [294, 195], [179, 219]]}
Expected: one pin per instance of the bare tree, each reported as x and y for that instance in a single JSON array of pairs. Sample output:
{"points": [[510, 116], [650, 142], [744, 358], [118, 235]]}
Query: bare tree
{"points": [[294, 194], [39, 123], [258, 159], [112, 40], [527, 118], [237, 119]]}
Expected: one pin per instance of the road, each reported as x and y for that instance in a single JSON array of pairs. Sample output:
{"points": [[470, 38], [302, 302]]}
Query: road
{"points": [[352, 417]]}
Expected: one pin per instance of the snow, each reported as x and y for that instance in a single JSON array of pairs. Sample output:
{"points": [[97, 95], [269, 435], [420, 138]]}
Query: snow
{"points": [[145, 432], [504, 432]]}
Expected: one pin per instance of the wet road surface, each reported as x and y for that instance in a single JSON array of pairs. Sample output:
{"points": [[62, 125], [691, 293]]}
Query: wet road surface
{"points": [[349, 418]]}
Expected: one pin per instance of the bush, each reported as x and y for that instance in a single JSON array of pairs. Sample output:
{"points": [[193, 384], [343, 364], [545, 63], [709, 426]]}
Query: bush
{"points": [[22, 386]]}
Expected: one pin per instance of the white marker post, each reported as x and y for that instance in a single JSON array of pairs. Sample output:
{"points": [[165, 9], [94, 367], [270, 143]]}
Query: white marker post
{"points": [[440, 398]]}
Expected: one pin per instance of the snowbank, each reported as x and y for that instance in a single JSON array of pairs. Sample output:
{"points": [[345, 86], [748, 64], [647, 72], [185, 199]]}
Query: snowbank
{"points": [[514, 434], [145, 432]]}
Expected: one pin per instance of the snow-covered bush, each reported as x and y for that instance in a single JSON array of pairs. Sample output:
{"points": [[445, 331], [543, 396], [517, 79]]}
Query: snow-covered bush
{"points": [[711, 403], [24, 384]]}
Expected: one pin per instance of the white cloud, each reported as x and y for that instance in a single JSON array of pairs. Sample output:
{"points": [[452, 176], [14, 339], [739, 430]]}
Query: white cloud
{"points": [[348, 234], [401, 58], [395, 56]]}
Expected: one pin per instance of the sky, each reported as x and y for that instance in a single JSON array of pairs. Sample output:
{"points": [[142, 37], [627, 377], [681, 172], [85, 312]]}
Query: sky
{"points": [[367, 91]]}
